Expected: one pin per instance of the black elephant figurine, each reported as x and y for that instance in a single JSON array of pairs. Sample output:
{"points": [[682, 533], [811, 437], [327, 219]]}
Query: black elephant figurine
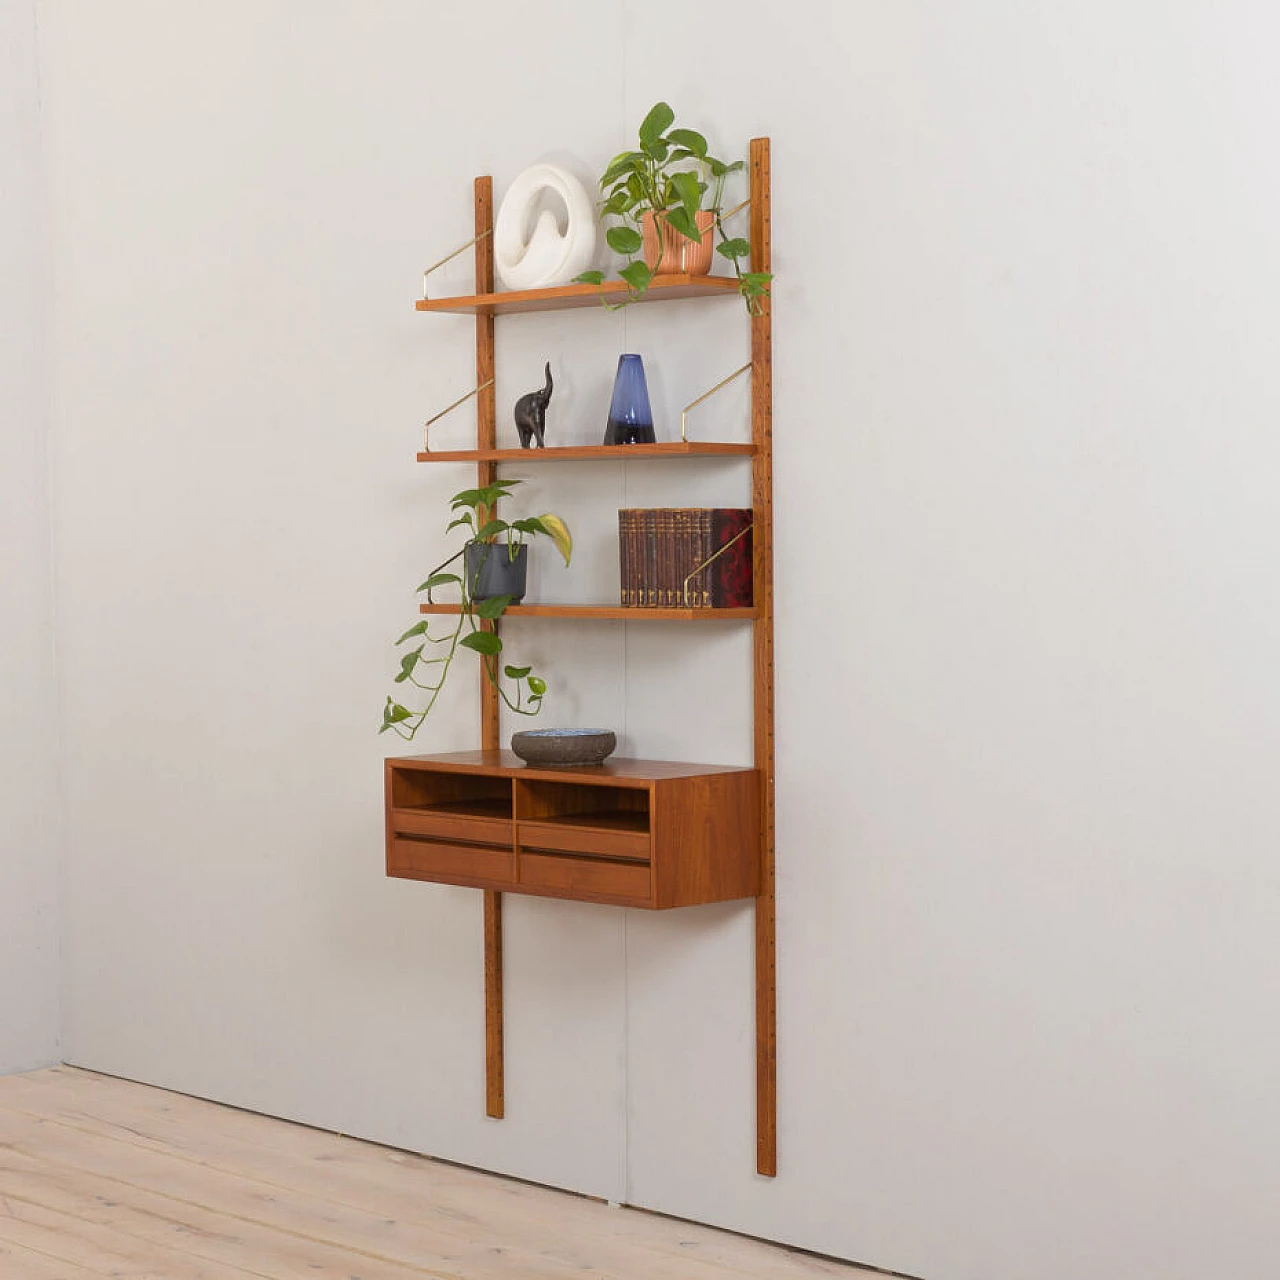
{"points": [[531, 415]]}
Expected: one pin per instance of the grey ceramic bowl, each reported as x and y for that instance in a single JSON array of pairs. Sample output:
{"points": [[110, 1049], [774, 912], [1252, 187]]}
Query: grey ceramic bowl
{"points": [[564, 746]]}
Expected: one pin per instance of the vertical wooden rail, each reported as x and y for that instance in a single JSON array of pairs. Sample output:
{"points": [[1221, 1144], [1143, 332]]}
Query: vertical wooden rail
{"points": [[762, 537], [486, 438]]}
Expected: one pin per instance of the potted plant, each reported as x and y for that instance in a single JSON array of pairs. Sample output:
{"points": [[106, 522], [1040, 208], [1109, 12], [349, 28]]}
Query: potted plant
{"points": [[668, 199], [494, 562]]}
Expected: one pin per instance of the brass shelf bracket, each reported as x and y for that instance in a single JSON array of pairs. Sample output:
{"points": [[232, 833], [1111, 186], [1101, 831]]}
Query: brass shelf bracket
{"points": [[737, 537], [435, 266], [426, 426], [706, 395]]}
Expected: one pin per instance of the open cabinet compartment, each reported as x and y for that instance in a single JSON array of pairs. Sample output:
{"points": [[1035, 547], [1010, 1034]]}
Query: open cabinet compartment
{"points": [[596, 821], [451, 827], [583, 840]]}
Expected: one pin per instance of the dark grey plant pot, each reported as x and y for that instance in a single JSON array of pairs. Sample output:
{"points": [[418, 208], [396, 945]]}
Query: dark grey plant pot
{"points": [[491, 571]]}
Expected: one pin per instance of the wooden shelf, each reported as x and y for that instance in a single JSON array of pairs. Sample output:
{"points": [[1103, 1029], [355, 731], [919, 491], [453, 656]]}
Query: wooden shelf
{"points": [[594, 452], [480, 807], [634, 833], [568, 296], [600, 820], [613, 613]]}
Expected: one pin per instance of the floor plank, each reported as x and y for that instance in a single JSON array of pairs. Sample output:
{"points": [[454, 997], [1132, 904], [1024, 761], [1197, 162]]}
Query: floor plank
{"points": [[105, 1177]]}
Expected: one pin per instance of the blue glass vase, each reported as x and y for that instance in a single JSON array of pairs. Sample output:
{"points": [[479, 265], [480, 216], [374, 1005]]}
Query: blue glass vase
{"points": [[630, 418]]}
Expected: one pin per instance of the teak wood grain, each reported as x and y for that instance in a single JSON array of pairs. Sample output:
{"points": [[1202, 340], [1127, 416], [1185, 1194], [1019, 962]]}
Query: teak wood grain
{"points": [[443, 861], [485, 302], [611, 883], [486, 472], [597, 837], [609, 613], [507, 764], [593, 452], [439, 824], [706, 829], [762, 537], [638, 833]]}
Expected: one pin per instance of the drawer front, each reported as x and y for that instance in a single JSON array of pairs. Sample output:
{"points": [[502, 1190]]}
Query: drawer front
{"points": [[481, 866], [599, 843], [451, 826], [624, 883]]}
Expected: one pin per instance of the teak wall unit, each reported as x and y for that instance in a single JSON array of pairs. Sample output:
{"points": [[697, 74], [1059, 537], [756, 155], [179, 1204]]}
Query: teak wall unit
{"points": [[639, 833]]}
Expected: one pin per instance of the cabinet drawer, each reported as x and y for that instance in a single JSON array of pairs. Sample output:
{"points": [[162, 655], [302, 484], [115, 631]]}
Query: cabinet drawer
{"points": [[451, 862], [451, 826], [599, 842], [592, 880]]}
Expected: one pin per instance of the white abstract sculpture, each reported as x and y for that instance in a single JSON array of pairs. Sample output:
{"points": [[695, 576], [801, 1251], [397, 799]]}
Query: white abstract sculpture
{"points": [[546, 257]]}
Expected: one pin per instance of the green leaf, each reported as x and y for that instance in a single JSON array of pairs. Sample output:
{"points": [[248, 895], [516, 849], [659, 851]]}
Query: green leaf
{"points": [[466, 518], [537, 686], [491, 607], [407, 664], [637, 275], [418, 629], [656, 123], [439, 580], [516, 673], [689, 191], [619, 203], [482, 642], [392, 714], [623, 162], [737, 248], [657, 150], [682, 220], [487, 496], [690, 138], [624, 240], [490, 530], [757, 279], [589, 277]]}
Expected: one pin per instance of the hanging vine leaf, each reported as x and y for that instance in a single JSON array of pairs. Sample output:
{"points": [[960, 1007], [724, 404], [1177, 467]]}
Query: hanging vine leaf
{"points": [[482, 642], [523, 694], [491, 608]]}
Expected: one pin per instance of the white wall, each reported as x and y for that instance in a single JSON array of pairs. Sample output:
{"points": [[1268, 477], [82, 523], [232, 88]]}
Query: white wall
{"points": [[29, 1013], [1025, 403]]}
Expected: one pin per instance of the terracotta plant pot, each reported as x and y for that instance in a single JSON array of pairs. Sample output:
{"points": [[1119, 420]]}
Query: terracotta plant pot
{"points": [[680, 255]]}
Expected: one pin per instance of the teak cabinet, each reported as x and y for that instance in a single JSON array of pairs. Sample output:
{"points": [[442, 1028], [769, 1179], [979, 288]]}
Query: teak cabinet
{"points": [[635, 833]]}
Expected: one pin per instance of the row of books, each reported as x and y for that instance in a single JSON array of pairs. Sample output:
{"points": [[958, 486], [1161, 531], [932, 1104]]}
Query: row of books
{"points": [[685, 557]]}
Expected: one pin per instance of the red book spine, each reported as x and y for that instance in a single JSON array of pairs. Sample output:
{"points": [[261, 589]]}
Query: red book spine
{"points": [[731, 572]]}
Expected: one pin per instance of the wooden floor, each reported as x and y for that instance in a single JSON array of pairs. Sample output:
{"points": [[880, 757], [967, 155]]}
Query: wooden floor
{"points": [[100, 1177]]}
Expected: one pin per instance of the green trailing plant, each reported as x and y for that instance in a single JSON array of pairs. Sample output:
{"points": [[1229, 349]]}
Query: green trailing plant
{"points": [[674, 177], [427, 666]]}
